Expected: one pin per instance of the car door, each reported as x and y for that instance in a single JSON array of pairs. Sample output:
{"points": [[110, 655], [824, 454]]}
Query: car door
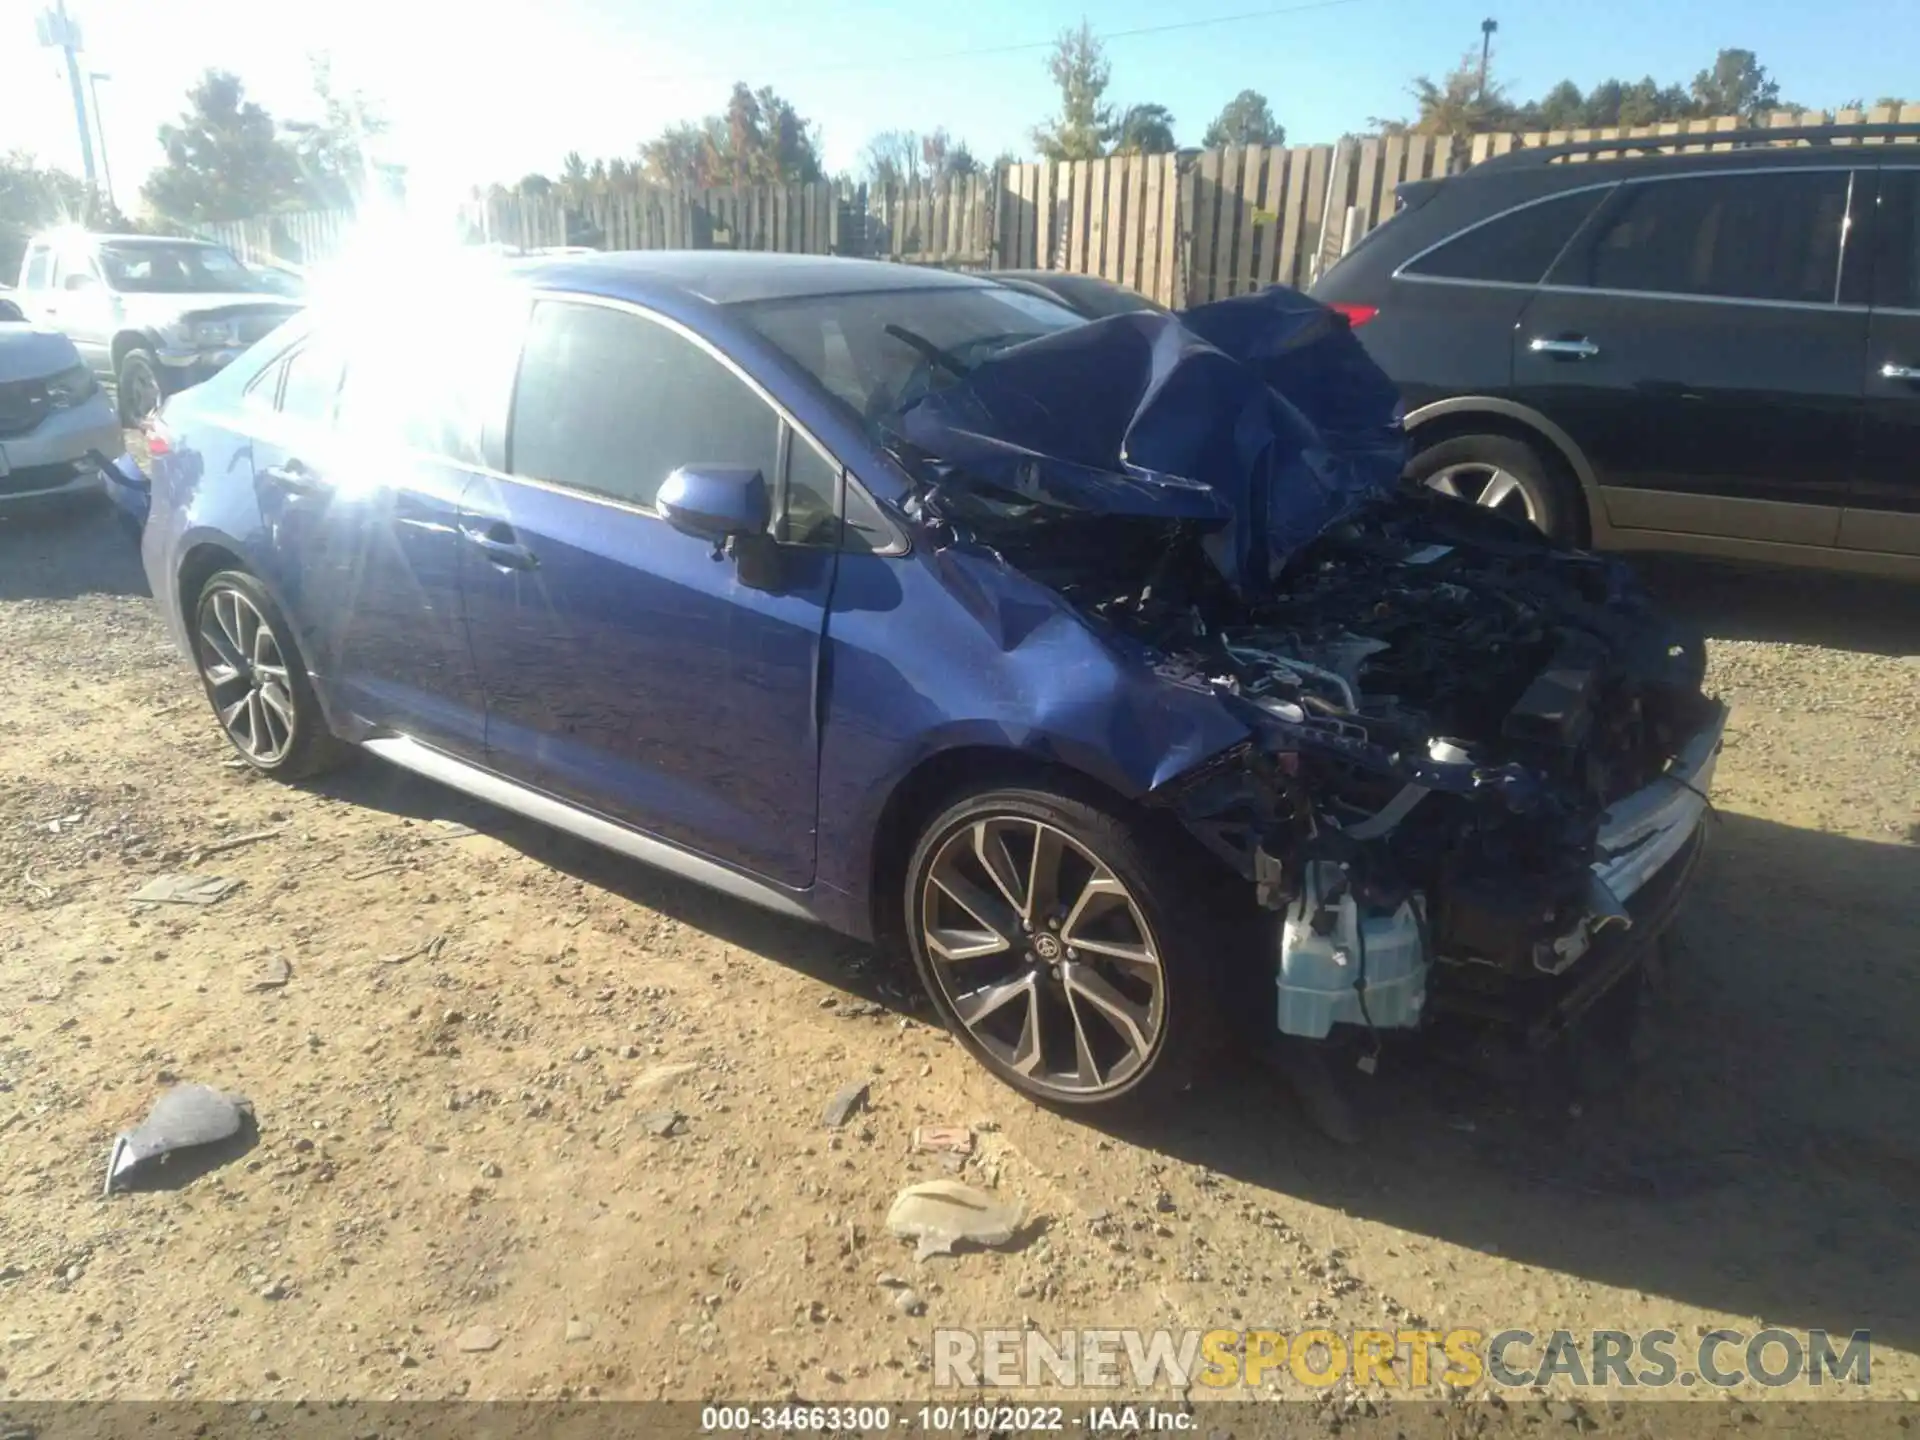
{"points": [[1883, 506], [359, 473], [36, 281], [81, 305], [1691, 341], [627, 667]]}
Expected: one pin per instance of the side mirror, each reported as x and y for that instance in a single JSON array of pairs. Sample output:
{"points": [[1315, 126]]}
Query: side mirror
{"points": [[716, 503], [80, 280]]}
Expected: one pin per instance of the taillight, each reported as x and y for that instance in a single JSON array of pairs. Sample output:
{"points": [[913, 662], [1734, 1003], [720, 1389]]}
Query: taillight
{"points": [[159, 442], [1357, 315]]}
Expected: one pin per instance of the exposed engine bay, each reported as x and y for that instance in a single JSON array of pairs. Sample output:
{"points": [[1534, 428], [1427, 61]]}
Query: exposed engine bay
{"points": [[1473, 748]]}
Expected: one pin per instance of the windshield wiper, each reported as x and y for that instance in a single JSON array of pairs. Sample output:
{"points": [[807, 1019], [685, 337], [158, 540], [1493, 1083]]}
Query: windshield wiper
{"points": [[929, 351]]}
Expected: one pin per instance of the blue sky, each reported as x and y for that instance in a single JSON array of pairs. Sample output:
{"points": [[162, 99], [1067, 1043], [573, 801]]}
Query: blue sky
{"points": [[490, 91]]}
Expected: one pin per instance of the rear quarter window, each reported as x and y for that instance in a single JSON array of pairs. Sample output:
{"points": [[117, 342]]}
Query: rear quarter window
{"points": [[1514, 248]]}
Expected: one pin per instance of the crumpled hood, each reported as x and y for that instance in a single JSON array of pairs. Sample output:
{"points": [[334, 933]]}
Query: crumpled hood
{"points": [[157, 311], [33, 352], [1260, 418]]}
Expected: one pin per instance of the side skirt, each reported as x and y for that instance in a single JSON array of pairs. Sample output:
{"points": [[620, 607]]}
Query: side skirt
{"points": [[596, 829]]}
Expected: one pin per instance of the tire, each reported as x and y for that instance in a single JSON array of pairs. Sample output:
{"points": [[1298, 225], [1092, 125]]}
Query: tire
{"points": [[136, 385], [1524, 483], [1168, 905], [258, 687]]}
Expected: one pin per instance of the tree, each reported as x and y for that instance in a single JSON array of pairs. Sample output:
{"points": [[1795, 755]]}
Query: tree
{"points": [[225, 158], [1145, 130], [1085, 125], [1246, 119], [334, 167], [760, 139], [1738, 84], [1458, 105], [945, 157], [893, 157], [32, 198], [1561, 108]]}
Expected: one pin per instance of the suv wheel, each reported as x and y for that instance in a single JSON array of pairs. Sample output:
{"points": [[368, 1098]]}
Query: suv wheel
{"points": [[1069, 955], [1503, 474], [256, 681], [137, 385]]}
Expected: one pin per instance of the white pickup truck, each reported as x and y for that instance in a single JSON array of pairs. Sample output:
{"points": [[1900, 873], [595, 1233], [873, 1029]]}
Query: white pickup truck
{"points": [[150, 314]]}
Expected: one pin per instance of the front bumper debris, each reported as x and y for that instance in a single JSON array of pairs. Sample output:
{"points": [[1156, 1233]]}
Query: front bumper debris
{"points": [[1340, 963], [1644, 831]]}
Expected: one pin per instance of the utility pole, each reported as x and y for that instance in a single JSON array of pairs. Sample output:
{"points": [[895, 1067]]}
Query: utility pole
{"points": [[1487, 27], [58, 31], [94, 77]]}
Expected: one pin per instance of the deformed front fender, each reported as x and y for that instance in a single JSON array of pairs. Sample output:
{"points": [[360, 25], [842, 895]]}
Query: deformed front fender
{"points": [[997, 665]]}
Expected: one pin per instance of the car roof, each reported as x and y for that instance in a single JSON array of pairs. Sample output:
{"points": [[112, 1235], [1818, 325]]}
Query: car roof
{"points": [[731, 277], [136, 241], [1568, 169]]}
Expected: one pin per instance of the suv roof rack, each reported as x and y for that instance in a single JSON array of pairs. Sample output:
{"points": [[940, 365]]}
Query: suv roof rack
{"points": [[1700, 139]]}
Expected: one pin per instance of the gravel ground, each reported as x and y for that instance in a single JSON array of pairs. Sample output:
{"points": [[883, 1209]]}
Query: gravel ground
{"points": [[463, 1050]]}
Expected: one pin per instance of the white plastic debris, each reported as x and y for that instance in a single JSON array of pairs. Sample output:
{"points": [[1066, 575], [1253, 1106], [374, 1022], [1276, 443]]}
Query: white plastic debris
{"points": [[186, 1117], [940, 1214]]}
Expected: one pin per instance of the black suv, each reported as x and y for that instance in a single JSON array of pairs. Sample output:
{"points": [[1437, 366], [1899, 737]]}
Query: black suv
{"points": [[1715, 351]]}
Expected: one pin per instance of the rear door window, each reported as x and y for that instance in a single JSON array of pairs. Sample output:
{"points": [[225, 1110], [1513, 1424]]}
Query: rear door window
{"points": [[1896, 258], [39, 272], [428, 375], [1773, 236], [612, 402], [312, 384], [1514, 248]]}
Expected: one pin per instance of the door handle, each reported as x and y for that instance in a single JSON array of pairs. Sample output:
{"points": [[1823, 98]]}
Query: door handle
{"points": [[1564, 347], [1891, 371], [296, 477], [496, 542]]}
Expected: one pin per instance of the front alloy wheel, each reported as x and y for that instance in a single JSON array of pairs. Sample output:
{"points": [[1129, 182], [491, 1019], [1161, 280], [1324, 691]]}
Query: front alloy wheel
{"points": [[1041, 930]]}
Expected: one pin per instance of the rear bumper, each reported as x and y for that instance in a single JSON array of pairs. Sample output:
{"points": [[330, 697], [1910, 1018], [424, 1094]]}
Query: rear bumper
{"points": [[128, 489]]}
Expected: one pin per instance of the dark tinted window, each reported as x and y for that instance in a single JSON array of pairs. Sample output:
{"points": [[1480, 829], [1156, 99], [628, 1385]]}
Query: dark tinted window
{"points": [[1516, 247], [1755, 237], [811, 515], [1896, 261], [611, 402]]}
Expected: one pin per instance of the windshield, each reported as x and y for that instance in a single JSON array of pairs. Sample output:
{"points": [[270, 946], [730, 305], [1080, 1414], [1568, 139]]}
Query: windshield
{"points": [[881, 351], [182, 269]]}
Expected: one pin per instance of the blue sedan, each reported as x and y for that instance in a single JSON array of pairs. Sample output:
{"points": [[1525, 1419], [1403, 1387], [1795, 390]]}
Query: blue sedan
{"points": [[927, 608]]}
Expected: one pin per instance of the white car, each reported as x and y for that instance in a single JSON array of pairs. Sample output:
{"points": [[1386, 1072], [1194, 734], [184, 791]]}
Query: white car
{"points": [[57, 428]]}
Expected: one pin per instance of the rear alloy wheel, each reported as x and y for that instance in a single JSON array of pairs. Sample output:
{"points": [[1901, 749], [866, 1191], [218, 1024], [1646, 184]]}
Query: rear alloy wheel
{"points": [[1500, 473], [1050, 952], [255, 680]]}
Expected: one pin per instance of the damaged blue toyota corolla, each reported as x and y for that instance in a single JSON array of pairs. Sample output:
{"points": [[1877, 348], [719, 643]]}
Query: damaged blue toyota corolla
{"points": [[1104, 664]]}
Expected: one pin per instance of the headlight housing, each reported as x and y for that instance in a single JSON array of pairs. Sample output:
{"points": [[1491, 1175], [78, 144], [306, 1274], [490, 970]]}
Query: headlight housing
{"points": [[71, 387], [214, 333]]}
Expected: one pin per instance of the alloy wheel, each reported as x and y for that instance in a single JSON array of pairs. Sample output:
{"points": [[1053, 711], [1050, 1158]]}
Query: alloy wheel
{"points": [[1487, 485], [246, 675], [1043, 955]]}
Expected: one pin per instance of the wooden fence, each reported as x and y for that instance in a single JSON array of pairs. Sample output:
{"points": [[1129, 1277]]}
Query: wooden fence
{"points": [[1183, 229], [1485, 147]]}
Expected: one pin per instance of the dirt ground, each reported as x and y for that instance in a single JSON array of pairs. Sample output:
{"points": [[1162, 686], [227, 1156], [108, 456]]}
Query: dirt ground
{"points": [[459, 1082]]}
